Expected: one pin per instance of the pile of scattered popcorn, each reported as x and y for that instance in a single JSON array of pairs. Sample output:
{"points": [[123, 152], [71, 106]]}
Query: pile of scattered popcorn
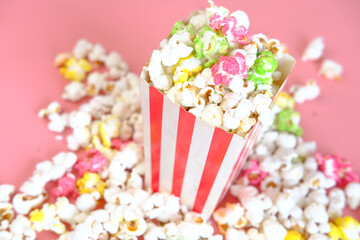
{"points": [[212, 67], [286, 190], [99, 195]]}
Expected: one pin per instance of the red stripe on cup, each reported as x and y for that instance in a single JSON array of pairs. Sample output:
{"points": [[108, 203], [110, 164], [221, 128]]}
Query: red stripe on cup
{"points": [[218, 148], [184, 135], [156, 108], [241, 159]]}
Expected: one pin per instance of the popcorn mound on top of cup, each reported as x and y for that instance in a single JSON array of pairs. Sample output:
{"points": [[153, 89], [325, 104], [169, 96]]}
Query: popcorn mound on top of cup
{"points": [[206, 92]]}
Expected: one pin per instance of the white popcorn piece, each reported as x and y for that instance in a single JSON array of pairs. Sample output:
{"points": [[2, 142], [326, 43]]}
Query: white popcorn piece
{"points": [[233, 234], [311, 227], [21, 228], [352, 191], [213, 115], [254, 234], [254, 209], [308, 92], [310, 164], [79, 119], [154, 233], [242, 18], [273, 230], [135, 225], [306, 149], [243, 109], [96, 82], [198, 20], [286, 140], [230, 100], [31, 188], [113, 60], [318, 237], [66, 159], [57, 122], [6, 215], [157, 74], [53, 107], [316, 179], [318, 196], [229, 121], [337, 198], [314, 50], [5, 235], [261, 102], [97, 54], [331, 70], [324, 228], [316, 213], [24, 203], [83, 231], [82, 48], [174, 50], [85, 202], [229, 215], [6, 191], [74, 91], [285, 203], [65, 210], [293, 175]]}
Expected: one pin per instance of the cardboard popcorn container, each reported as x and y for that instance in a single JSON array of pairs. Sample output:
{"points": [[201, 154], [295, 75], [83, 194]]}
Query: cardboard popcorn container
{"points": [[188, 157]]}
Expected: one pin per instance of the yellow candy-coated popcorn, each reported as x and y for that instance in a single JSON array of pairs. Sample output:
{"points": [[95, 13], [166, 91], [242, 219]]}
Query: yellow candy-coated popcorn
{"points": [[37, 216], [103, 136], [75, 69], [345, 228], [335, 232], [97, 144], [186, 68], [285, 100], [294, 235], [90, 182], [347, 222]]}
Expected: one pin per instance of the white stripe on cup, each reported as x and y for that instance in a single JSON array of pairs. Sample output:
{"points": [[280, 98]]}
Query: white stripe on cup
{"points": [[145, 109], [236, 145], [199, 149], [168, 144]]}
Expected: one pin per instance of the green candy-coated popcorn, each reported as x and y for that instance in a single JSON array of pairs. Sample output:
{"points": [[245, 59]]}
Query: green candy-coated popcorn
{"points": [[190, 29], [218, 45], [265, 63], [178, 26], [259, 79], [285, 122]]}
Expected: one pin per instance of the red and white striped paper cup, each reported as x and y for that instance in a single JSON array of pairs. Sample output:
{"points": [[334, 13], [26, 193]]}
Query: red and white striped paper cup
{"points": [[188, 157]]}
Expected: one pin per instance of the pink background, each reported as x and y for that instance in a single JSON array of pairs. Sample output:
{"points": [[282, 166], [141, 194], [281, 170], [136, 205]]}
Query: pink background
{"points": [[32, 32]]}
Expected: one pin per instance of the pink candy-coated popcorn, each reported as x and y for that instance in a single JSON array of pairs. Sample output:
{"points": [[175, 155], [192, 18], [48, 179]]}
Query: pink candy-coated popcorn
{"points": [[94, 163], [66, 185], [337, 168], [230, 29], [254, 174], [97, 161], [82, 166], [116, 143], [228, 67]]}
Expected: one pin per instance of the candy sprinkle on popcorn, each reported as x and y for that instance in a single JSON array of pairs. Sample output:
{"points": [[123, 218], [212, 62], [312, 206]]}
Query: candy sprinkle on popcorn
{"points": [[214, 68]]}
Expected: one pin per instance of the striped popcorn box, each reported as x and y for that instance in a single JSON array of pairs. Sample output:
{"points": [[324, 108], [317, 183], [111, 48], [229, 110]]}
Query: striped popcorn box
{"points": [[187, 156]]}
